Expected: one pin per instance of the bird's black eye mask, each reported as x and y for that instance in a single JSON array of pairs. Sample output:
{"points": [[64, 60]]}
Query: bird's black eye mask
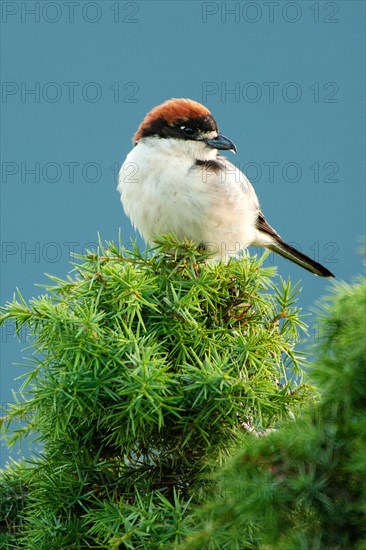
{"points": [[181, 129]]}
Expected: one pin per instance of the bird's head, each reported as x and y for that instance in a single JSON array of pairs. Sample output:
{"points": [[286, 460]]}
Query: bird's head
{"points": [[185, 120]]}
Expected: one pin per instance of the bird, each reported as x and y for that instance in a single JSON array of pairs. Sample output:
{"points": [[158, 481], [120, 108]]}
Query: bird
{"points": [[175, 180]]}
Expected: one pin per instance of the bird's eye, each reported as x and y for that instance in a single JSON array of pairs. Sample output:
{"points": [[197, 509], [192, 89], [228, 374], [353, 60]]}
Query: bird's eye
{"points": [[188, 131]]}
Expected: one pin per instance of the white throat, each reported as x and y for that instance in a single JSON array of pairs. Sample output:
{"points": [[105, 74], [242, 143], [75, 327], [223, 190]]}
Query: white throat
{"points": [[176, 148]]}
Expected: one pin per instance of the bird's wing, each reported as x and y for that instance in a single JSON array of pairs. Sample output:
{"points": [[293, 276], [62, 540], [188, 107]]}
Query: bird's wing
{"points": [[265, 229], [236, 176]]}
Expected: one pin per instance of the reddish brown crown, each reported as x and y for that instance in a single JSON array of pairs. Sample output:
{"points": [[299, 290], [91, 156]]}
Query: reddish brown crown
{"points": [[172, 110]]}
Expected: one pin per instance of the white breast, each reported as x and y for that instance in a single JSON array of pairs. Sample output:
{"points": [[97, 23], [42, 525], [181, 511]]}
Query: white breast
{"points": [[163, 191]]}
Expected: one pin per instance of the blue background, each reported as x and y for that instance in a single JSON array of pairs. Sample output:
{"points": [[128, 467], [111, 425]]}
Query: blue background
{"points": [[125, 57]]}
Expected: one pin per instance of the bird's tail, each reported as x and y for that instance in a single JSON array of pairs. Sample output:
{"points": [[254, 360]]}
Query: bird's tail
{"points": [[291, 253]]}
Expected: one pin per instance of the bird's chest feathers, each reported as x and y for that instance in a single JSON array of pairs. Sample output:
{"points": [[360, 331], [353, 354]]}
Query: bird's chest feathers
{"points": [[162, 183], [171, 193]]}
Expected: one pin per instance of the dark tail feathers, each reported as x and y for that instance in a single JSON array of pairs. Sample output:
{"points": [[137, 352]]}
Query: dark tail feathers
{"points": [[289, 252]]}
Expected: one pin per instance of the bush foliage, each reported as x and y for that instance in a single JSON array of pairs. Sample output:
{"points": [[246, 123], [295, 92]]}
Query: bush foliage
{"points": [[303, 487], [147, 370]]}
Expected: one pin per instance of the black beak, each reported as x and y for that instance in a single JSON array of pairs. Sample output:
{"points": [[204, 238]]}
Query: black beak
{"points": [[221, 142]]}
